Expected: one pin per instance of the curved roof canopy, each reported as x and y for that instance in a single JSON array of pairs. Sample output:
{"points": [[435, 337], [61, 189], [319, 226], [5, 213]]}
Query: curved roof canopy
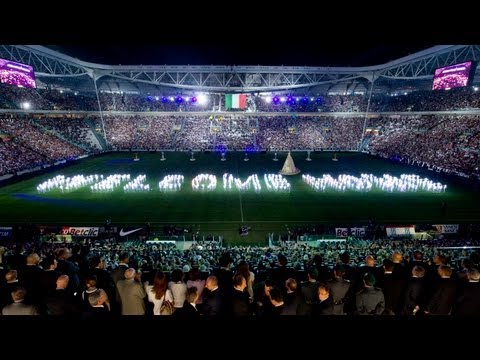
{"points": [[53, 66]]}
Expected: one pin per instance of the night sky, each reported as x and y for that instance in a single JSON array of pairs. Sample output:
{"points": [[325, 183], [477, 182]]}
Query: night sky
{"points": [[260, 44], [288, 53], [252, 40]]}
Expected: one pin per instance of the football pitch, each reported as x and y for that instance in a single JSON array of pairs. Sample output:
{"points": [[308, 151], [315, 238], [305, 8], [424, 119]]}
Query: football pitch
{"points": [[222, 212]]}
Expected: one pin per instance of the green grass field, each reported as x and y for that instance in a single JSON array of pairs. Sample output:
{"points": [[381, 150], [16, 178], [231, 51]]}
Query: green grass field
{"points": [[221, 212]]}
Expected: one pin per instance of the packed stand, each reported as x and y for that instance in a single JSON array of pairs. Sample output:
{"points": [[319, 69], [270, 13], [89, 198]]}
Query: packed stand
{"points": [[73, 129], [29, 140], [233, 133], [466, 98], [14, 157], [356, 277], [443, 143]]}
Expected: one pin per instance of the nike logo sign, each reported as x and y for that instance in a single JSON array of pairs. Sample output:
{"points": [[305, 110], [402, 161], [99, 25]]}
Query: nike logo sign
{"points": [[125, 233]]}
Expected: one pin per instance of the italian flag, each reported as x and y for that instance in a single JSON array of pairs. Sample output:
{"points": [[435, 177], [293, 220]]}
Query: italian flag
{"points": [[235, 101]]}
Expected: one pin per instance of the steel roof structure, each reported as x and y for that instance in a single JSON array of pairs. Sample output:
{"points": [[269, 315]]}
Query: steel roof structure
{"points": [[53, 67]]}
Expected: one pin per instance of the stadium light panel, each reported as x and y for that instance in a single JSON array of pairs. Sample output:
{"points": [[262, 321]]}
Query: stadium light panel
{"points": [[202, 99]]}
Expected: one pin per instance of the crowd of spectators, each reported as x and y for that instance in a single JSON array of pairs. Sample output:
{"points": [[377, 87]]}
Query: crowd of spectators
{"points": [[354, 277], [465, 98], [15, 157], [195, 134], [276, 133], [29, 146], [12, 97], [447, 143], [327, 103], [444, 143], [234, 132], [73, 129], [141, 102]]}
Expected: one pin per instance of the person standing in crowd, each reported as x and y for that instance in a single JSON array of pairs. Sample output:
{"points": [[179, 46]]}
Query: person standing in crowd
{"points": [[189, 309], [68, 268], [339, 289], [18, 307], [324, 304], [415, 296], [158, 292], [240, 305], [468, 299], [178, 288], [213, 299], [370, 301], [132, 294], [443, 298]]}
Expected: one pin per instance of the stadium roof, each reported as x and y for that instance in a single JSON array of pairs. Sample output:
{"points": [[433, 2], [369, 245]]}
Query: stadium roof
{"points": [[271, 52], [61, 70]]}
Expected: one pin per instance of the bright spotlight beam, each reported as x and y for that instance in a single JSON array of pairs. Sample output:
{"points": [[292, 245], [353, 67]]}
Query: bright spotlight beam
{"points": [[202, 99]]}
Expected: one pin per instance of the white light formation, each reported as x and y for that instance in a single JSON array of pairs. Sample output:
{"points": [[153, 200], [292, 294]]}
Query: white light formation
{"points": [[252, 182], [276, 182], [171, 183], [66, 184], [368, 182], [204, 182], [110, 183], [137, 184], [273, 182]]}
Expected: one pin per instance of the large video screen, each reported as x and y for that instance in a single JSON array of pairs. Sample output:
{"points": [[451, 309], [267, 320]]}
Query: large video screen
{"points": [[17, 74], [452, 76]]}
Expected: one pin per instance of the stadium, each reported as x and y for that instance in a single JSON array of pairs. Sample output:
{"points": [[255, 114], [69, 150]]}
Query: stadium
{"points": [[177, 171]]}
